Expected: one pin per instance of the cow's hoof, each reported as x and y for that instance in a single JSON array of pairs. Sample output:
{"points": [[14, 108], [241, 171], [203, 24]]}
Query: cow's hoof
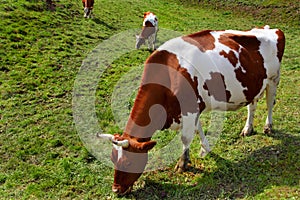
{"points": [[182, 165], [203, 152], [246, 131], [180, 168], [268, 129]]}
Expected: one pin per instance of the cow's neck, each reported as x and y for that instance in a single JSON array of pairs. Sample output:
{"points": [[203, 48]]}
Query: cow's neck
{"points": [[156, 106], [148, 114], [147, 30]]}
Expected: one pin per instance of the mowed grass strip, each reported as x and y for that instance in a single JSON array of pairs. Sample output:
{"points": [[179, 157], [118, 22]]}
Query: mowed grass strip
{"points": [[41, 154]]}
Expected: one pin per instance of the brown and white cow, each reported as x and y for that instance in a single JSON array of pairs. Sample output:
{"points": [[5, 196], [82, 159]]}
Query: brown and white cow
{"points": [[88, 7], [188, 75], [149, 31]]}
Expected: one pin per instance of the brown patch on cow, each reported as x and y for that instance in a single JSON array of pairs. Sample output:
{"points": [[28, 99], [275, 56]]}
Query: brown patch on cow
{"points": [[216, 87], [167, 59], [230, 56], [201, 102], [166, 83], [280, 44], [224, 39], [191, 97], [251, 73], [203, 40]]}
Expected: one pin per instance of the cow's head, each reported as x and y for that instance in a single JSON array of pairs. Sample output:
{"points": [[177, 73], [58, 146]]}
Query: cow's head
{"points": [[130, 158], [88, 7], [87, 12]]}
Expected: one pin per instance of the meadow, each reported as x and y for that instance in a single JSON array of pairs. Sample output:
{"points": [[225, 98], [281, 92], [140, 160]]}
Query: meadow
{"points": [[43, 155]]}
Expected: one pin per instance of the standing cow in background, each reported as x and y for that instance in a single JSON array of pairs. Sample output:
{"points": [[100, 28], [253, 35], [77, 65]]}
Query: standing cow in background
{"points": [[192, 74], [88, 7], [149, 31]]}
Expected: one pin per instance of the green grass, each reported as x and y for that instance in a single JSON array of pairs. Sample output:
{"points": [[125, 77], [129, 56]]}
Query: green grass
{"points": [[41, 153]]}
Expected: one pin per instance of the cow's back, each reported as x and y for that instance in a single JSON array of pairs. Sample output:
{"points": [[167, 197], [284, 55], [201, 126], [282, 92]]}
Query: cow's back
{"points": [[231, 67]]}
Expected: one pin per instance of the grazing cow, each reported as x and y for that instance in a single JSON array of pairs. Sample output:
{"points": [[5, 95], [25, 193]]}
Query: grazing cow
{"points": [[188, 75], [149, 31], [88, 7]]}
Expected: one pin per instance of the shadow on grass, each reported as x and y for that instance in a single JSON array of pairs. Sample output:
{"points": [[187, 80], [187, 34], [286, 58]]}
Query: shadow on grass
{"points": [[276, 165], [98, 21]]}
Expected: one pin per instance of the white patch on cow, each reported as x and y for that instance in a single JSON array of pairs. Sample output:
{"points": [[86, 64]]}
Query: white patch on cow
{"points": [[119, 149], [189, 122], [189, 128], [192, 125], [268, 50]]}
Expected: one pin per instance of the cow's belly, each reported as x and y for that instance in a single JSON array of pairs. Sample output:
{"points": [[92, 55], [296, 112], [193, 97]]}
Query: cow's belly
{"points": [[211, 104], [228, 98], [236, 100]]}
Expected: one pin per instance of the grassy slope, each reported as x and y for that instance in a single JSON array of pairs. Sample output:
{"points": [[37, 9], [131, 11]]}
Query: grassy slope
{"points": [[41, 153], [278, 11]]}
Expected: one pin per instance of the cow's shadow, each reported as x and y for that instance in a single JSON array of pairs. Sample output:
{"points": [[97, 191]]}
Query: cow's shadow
{"points": [[103, 23], [276, 165]]}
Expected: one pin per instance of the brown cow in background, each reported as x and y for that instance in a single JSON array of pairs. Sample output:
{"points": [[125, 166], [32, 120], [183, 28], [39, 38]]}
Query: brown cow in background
{"points": [[88, 7], [149, 31]]}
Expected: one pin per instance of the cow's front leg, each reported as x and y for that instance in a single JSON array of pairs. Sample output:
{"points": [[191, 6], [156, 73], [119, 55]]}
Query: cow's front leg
{"points": [[248, 128], [188, 133]]}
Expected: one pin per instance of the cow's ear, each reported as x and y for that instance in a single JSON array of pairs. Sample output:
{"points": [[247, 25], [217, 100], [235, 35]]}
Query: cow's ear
{"points": [[146, 13], [144, 146]]}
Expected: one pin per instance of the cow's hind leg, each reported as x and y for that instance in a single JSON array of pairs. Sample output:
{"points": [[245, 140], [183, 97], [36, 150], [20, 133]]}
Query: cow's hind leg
{"points": [[205, 149], [248, 128], [188, 133], [270, 96]]}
